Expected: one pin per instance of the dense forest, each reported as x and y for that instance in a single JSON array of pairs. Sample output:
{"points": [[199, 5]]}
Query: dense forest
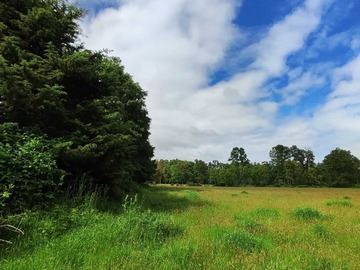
{"points": [[288, 166], [68, 116]]}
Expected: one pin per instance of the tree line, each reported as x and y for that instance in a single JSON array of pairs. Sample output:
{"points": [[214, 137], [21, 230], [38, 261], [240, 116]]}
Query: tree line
{"points": [[288, 166]]}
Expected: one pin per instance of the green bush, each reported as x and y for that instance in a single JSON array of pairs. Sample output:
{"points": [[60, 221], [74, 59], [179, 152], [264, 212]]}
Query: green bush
{"points": [[307, 213], [28, 171]]}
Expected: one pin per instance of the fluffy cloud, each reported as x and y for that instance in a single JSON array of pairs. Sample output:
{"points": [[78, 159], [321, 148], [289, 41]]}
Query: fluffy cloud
{"points": [[171, 49], [338, 120]]}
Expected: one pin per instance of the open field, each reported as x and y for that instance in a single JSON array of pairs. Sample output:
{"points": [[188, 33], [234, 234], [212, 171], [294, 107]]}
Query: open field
{"points": [[199, 228]]}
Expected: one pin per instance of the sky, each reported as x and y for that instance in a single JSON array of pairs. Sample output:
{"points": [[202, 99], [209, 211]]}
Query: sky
{"points": [[247, 73]]}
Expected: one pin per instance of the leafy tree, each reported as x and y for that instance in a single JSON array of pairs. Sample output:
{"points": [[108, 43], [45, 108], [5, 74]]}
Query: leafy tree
{"points": [[261, 174], [201, 173], [304, 157], [238, 156], [341, 168], [279, 154], [162, 174], [293, 173]]}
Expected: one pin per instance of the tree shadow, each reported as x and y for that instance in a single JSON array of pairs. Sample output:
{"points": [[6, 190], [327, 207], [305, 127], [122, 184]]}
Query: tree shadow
{"points": [[175, 188], [171, 199]]}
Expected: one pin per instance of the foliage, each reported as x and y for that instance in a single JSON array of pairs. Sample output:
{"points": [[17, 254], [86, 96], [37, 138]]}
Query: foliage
{"points": [[341, 168], [238, 156], [52, 87], [28, 171]]}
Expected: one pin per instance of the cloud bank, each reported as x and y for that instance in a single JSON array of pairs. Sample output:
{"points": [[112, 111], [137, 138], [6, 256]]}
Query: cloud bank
{"points": [[172, 50]]}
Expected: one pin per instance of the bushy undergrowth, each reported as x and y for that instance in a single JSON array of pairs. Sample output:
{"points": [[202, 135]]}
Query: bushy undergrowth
{"points": [[28, 171], [307, 214], [69, 237]]}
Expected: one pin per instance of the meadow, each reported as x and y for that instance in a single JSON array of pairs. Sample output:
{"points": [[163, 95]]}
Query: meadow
{"points": [[169, 227]]}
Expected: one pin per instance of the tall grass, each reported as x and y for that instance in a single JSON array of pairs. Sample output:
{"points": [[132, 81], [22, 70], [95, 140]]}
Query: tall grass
{"points": [[73, 238], [341, 202], [307, 213], [190, 228]]}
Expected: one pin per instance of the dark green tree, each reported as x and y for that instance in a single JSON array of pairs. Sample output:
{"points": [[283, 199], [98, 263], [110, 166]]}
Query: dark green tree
{"points": [[238, 156], [279, 155], [201, 172], [341, 168]]}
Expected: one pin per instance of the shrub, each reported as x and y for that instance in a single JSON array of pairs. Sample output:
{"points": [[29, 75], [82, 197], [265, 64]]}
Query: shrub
{"points": [[307, 213], [28, 170]]}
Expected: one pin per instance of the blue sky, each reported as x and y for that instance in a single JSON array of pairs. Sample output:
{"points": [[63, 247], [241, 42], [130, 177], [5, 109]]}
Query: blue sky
{"points": [[249, 73]]}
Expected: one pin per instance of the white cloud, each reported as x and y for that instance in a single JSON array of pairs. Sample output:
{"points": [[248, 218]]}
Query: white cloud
{"points": [[339, 118], [171, 48]]}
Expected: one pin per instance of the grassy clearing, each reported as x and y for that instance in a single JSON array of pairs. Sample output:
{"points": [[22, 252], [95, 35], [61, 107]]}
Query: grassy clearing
{"points": [[194, 228]]}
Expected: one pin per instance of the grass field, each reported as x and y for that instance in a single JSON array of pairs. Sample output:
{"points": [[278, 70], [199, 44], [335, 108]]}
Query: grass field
{"points": [[198, 228]]}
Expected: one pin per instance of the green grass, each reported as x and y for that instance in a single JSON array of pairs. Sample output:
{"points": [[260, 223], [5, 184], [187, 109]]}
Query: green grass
{"points": [[192, 228], [307, 213], [342, 202], [237, 239]]}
